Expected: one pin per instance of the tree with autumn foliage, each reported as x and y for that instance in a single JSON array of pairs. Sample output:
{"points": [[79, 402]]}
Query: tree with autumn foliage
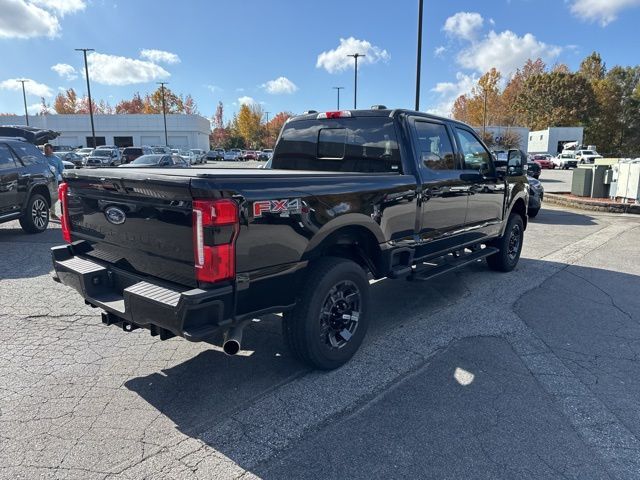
{"points": [[66, 103], [471, 108], [133, 106], [272, 128], [248, 123]]}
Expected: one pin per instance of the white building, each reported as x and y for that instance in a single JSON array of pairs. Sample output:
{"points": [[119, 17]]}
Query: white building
{"points": [[499, 131], [189, 131], [552, 139]]}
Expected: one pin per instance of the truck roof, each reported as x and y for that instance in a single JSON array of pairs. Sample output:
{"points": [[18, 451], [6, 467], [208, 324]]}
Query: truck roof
{"points": [[385, 112]]}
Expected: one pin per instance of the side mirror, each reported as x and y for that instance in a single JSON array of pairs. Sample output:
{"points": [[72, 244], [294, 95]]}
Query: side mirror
{"points": [[515, 163]]}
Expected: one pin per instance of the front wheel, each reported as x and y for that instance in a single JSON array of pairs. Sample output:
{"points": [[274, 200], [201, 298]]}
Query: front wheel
{"points": [[509, 246], [36, 215], [330, 319]]}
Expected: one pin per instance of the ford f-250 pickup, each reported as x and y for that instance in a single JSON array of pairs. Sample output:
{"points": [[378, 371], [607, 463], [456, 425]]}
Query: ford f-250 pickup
{"points": [[351, 195]]}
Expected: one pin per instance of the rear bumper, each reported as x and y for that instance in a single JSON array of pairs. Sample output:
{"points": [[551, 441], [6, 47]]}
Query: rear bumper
{"points": [[134, 301]]}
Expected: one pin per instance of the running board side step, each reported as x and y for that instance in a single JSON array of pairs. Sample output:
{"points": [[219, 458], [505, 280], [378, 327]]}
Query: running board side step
{"points": [[423, 274]]}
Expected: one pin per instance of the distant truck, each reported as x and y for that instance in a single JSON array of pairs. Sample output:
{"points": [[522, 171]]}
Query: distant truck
{"points": [[586, 156], [352, 195]]}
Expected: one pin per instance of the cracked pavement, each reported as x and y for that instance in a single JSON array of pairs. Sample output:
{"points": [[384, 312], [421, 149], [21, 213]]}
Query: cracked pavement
{"points": [[477, 374]]}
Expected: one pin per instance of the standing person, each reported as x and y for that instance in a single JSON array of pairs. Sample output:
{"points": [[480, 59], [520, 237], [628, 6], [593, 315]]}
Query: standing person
{"points": [[56, 163]]}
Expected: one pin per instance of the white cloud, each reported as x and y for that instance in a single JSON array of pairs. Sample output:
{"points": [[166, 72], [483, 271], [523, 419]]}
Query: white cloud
{"points": [[61, 7], [116, 70], [464, 25], [21, 19], [65, 70], [31, 87], [160, 56], [213, 88], [249, 101], [505, 51], [449, 91], [280, 85], [602, 11], [336, 60], [438, 51]]}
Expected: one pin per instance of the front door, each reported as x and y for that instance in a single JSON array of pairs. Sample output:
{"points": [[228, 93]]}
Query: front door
{"points": [[443, 191], [8, 183], [486, 190]]}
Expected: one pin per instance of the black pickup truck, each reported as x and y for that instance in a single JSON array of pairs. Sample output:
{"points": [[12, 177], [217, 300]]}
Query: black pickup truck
{"points": [[351, 195]]}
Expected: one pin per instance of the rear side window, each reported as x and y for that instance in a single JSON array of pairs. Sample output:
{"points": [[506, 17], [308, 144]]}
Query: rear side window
{"points": [[29, 153], [6, 158], [364, 144], [436, 152]]}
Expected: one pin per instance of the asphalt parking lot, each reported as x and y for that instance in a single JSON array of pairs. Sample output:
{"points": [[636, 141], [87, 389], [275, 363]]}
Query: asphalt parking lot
{"points": [[476, 374]]}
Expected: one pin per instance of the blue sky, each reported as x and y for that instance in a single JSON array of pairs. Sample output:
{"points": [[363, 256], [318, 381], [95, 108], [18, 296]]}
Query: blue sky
{"points": [[286, 54]]}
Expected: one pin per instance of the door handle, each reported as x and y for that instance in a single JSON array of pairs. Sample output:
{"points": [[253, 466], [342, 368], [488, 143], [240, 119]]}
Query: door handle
{"points": [[25, 175]]}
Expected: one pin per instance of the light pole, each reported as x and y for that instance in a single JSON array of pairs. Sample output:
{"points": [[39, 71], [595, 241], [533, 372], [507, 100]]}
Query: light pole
{"points": [[86, 72], [164, 113], [266, 126], [419, 58], [338, 90], [355, 88], [24, 97], [484, 115]]}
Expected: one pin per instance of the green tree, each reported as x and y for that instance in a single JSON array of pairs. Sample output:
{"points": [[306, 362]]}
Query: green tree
{"points": [[248, 124]]}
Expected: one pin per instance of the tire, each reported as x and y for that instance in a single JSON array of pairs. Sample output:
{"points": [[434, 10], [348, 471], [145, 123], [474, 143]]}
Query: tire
{"points": [[509, 246], [533, 212], [316, 338], [36, 215]]}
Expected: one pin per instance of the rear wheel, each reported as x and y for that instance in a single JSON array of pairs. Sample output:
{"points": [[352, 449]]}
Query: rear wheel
{"points": [[533, 212], [509, 246], [329, 322], [36, 215]]}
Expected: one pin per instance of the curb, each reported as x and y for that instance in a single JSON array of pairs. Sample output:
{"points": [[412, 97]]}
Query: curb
{"points": [[588, 204]]}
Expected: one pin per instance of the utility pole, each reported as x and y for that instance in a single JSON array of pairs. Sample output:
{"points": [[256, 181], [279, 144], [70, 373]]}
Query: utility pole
{"points": [[266, 125], [355, 88], [86, 72], [338, 90], [164, 113], [419, 58], [24, 97]]}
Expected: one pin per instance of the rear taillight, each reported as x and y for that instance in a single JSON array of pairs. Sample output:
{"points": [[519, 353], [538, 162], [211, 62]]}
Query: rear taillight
{"points": [[216, 262], [338, 114], [65, 223]]}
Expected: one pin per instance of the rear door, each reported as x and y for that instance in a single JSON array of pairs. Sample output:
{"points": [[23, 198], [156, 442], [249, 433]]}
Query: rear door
{"points": [[9, 173], [443, 191], [486, 191]]}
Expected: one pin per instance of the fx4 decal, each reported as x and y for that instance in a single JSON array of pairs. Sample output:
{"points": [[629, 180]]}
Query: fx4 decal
{"points": [[281, 207]]}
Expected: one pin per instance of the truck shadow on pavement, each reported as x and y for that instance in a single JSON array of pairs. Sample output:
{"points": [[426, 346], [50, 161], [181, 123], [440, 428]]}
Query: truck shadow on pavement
{"points": [[24, 255], [562, 217], [475, 407]]}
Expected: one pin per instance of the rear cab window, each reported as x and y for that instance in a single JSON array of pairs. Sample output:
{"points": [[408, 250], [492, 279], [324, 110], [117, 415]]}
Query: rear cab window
{"points": [[358, 144]]}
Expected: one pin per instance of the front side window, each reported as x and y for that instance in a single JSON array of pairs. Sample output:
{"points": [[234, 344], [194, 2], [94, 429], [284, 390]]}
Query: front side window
{"points": [[476, 157], [436, 152]]}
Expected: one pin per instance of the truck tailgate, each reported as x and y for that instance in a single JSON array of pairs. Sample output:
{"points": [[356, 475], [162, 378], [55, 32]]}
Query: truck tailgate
{"points": [[141, 223]]}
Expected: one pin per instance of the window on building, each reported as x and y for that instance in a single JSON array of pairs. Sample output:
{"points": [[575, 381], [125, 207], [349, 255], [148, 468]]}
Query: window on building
{"points": [[530, 137], [540, 137], [123, 141], [99, 141]]}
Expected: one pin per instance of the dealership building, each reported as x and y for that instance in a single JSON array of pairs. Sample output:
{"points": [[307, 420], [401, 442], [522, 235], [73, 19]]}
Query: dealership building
{"points": [[553, 139], [188, 131]]}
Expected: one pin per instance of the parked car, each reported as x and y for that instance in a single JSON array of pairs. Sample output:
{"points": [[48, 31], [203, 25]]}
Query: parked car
{"points": [[232, 155], [544, 161], [28, 186], [69, 165], [84, 152], [72, 157], [61, 148], [587, 156], [219, 153], [565, 161], [157, 161], [160, 149], [129, 154], [536, 195], [533, 169], [187, 155], [199, 154], [265, 155], [211, 155], [104, 157], [250, 155], [200, 256]]}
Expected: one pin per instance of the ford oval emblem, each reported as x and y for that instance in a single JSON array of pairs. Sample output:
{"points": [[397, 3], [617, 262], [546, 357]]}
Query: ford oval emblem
{"points": [[115, 215]]}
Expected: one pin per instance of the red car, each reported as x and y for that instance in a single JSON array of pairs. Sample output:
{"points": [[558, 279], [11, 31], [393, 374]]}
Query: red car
{"points": [[250, 155], [544, 161]]}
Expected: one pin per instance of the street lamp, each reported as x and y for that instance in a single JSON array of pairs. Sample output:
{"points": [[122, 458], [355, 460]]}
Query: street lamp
{"points": [[86, 71], [164, 113], [266, 126], [24, 97], [338, 90], [419, 55], [355, 88]]}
